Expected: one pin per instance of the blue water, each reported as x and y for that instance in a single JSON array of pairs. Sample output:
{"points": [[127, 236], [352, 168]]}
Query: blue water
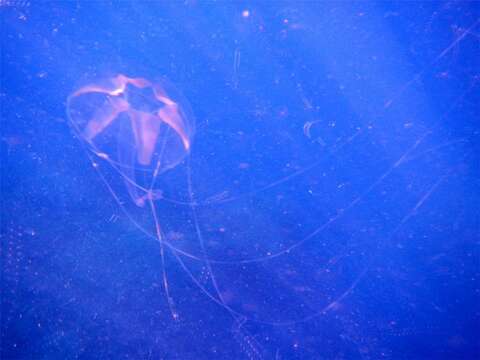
{"points": [[327, 207]]}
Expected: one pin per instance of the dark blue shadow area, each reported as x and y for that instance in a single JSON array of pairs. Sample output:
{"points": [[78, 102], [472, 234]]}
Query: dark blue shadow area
{"points": [[316, 196]]}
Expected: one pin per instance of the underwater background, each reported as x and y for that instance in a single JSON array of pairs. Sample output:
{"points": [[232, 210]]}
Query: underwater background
{"points": [[327, 207]]}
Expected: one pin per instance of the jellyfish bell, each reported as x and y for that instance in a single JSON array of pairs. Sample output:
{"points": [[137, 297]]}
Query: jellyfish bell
{"points": [[141, 128]]}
